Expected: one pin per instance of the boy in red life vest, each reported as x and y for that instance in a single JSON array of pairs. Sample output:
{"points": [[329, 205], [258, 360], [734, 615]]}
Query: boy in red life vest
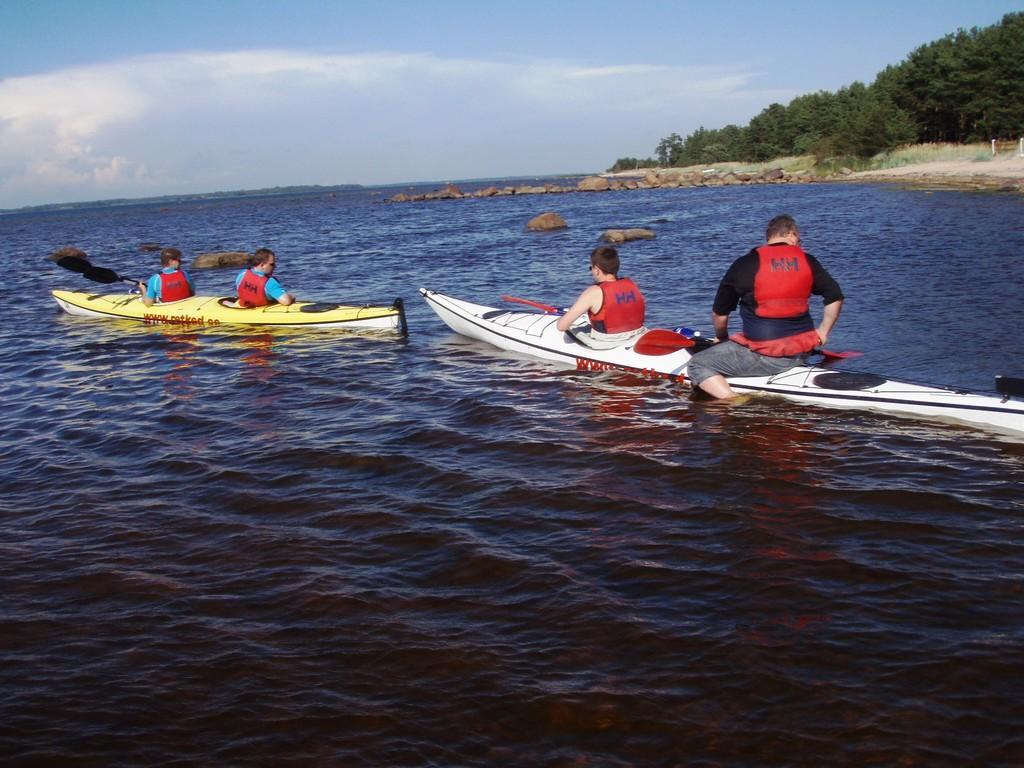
{"points": [[614, 305], [257, 285], [171, 283], [771, 285]]}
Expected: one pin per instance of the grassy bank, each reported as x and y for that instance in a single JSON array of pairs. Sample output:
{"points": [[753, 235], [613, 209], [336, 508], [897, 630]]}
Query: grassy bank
{"points": [[931, 153], [897, 158]]}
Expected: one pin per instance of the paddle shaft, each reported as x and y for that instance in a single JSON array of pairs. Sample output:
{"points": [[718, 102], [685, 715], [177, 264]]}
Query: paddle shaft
{"points": [[828, 354], [834, 355], [665, 342], [546, 307]]}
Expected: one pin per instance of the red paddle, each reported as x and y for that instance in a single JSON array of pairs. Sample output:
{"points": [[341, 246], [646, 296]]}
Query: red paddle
{"points": [[664, 342], [546, 307], [829, 354], [660, 341]]}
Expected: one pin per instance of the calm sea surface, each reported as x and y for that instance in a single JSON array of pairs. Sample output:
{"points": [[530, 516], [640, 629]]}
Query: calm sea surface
{"points": [[258, 548]]}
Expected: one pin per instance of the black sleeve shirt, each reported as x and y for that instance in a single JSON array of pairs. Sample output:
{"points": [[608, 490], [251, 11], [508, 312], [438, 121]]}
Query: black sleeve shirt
{"points": [[738, 284]]}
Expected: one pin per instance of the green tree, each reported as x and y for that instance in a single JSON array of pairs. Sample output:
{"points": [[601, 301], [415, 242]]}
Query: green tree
{"points": [[966, 86], [631, 164], [997, 102], [668, 148], [766, 134]]}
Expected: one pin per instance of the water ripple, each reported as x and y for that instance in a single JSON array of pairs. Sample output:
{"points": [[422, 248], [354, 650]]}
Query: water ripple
{"points": [[265, 547]]}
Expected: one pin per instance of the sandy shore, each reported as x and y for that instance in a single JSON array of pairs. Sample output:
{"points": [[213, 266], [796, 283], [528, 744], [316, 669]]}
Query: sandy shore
{"points": [[1001, 172], [1005, 171]]}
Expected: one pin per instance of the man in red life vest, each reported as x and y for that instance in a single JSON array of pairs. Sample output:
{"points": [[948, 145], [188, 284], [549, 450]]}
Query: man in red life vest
{"points": [[257, 285], [771, 285], [613, 304], [171, 283]]}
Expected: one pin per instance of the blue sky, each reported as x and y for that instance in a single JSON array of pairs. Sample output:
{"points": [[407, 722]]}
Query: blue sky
{"points": [[131, 99]]}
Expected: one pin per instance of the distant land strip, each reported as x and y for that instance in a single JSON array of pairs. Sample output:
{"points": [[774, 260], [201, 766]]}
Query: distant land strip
{"points": [[1004, 174], [309, 189]]}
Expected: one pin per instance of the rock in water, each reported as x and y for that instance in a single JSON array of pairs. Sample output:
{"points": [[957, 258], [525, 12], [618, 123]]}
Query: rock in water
{"points": [[625, 235], [546, 221], [221, 259], [593, 184]]}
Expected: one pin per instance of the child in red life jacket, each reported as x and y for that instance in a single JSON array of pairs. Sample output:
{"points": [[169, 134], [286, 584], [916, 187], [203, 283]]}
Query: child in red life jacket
{"points": [[257, 285], [171, 283], [614, 305]]}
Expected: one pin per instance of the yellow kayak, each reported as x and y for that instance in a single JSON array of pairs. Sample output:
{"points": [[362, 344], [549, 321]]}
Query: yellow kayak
{"points": [[219, 310]]}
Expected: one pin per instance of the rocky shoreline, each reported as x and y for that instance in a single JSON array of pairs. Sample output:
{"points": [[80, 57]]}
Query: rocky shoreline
{"points": [[669, 178], [1002, 174]]}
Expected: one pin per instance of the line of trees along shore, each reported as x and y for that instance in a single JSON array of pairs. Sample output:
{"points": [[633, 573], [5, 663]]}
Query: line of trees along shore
{"points": [[968, 86]]}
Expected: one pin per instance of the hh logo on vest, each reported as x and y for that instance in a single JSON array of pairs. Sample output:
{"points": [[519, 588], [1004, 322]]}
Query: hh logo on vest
{"points": [[785, 265], [625, 298]]}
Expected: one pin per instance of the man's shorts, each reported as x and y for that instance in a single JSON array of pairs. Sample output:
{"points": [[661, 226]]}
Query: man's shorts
{"points": [[731, 359]]}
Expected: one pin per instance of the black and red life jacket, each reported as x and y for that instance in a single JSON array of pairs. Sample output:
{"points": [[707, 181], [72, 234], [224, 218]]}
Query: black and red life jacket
{"points": [[252, 290], [174, 286], [622, 307], [777, 321]]}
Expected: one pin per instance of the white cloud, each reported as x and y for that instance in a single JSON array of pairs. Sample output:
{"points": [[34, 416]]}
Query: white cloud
{"points": [[634, 69], [197, 121]]}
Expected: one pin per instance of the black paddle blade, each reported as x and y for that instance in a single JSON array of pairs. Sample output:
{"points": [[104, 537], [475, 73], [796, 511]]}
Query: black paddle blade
{"points": [[101, 275], [74, 263]]}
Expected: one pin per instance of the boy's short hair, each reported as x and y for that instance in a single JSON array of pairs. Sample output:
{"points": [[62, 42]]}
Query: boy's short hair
{"points": [[261, 255], [167, 255], [607, 258]]}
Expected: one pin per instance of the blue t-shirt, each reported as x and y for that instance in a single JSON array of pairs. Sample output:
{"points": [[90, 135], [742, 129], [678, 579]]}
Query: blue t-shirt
{"points": [[154, 286], [273, 289]]}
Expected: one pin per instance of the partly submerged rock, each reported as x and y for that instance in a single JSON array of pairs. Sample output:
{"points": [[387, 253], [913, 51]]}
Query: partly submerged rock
{"points": [[545, 222], [221, 259], [625, 235], [67, 250], [593, 184], [447, 192]]}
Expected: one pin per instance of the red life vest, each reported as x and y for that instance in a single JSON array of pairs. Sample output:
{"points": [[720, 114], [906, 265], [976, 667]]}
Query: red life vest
{"points": [[783, 281], [174, 286], [252, 290], [787, 346], [780, 324], [622, 307]]}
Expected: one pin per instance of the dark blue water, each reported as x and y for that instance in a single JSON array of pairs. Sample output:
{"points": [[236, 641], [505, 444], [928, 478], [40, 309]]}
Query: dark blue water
{"points": [[248, 547]]}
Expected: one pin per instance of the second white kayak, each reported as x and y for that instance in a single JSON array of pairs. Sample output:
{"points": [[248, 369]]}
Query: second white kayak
{"points": [[535, 334]]}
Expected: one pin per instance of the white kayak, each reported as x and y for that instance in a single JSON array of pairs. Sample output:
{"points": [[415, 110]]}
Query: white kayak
{"points": [[534, 333]]}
